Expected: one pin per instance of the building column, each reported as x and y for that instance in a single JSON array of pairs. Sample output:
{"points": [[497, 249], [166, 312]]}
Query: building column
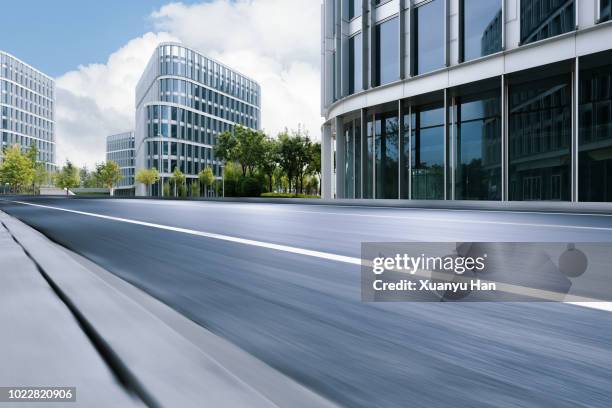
{"points": [[340, 158], [326, 162]]}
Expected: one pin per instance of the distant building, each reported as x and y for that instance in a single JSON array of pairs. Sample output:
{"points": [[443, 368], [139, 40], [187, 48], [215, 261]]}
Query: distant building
{"points": [[27, 106], [184, 100], [499, 100], [120, 149]]}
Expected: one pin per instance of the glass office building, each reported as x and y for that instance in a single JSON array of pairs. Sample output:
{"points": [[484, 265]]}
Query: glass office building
{"points": [[184, 100], [497, 100], [27, 106], [120, 149]]}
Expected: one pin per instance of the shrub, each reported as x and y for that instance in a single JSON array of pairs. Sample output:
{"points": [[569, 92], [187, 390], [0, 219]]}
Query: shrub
{"points": [[250, 187]]}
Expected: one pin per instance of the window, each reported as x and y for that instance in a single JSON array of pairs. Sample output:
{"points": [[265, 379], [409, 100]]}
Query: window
{"points": [[481, 28], [540, 127], [355, 64], [349, 173], [387, 148], [542, 19], [428, 37], [595, 135], [354, 8], [428, 153], [368, 167], [387, 51], [605, 10], [478, 148]]}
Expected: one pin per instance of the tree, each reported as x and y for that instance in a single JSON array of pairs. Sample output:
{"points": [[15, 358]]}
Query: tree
{"points": [[177, 178], [148, 177], [41, 176], [294, 156], [314, 166], [68, 177], [195, 188], [109, 174], [16, 169], [242, 145], [268, 161], [207, 178]]}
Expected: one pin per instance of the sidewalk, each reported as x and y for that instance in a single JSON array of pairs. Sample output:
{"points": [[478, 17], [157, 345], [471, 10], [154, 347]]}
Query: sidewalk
{"points": [[95, 325], [42, 344]]}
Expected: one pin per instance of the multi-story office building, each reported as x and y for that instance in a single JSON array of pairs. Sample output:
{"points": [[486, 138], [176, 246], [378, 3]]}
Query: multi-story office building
{"points": [[184, 100], [27, 105], [467, 99], [120, 149]]}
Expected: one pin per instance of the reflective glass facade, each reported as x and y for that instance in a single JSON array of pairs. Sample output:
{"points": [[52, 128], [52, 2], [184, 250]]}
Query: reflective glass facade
{"points": [[470, 100], [427, 150], [605, 10], [429, 23], [542, 19], [478, 147], [355, 64], [120, 149], [386, 143], [27, 106], [540, 129], [184, 101], [387, 56], [595, 135], [481, 28]]}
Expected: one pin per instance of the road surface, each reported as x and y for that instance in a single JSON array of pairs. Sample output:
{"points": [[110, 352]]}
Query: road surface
{"points": [[248, 273]]}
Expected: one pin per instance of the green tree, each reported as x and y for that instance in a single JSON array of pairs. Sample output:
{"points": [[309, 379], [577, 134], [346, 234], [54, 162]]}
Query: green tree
{"points": [[195, 188], [148, 177], [16, 169], [314, 165], [41, 176], [294, 156], [268, 161], [177, 179], [243, 145], [109, 174], [68, 177], [207, 178]]}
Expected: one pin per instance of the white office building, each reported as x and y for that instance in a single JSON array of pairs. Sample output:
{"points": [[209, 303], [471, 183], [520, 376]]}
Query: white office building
{"points": [[184, 100], [27, 106], [120, 149]]}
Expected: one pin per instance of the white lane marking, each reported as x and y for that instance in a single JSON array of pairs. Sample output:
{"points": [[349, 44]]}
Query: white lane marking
{"points": [[268, 245], [606, 306]]}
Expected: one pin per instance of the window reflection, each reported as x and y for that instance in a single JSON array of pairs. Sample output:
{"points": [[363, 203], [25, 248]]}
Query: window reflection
{"points": [[478, 148], [605, 10], [429, 36], [482, 28], [595, 136], [355, 64], [540, 121], [387, 155], [387, 51], [428, 153], [544, 19]]}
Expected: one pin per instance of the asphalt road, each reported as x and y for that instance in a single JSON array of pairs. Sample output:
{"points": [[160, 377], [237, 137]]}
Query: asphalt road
{"points": [[303, 314]]}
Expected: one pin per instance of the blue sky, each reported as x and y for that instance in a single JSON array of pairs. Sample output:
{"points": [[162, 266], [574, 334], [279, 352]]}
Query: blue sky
{"points": [[56, 36]]}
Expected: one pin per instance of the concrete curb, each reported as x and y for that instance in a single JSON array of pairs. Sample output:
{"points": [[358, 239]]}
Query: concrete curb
{"points": [[162, 366]]}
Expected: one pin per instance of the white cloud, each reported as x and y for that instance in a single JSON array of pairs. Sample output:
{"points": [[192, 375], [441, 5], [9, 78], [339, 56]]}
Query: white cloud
{"points": [[275, 42], [97, 100]]}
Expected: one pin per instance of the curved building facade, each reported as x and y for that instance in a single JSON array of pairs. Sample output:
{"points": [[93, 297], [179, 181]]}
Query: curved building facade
{"points": [[184, 100], [27, 106], [499, 100]]}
